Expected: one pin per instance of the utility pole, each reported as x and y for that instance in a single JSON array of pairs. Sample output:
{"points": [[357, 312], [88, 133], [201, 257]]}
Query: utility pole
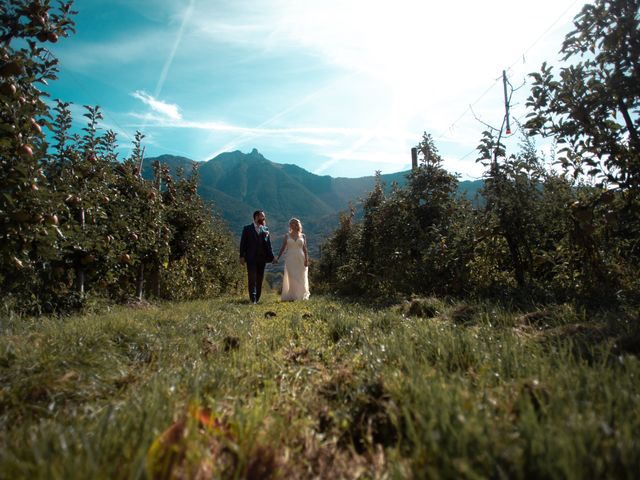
{"points": [[506, 101]]}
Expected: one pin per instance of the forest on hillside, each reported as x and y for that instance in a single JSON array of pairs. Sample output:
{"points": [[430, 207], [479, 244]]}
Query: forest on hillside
{"points": [[78, 223]]}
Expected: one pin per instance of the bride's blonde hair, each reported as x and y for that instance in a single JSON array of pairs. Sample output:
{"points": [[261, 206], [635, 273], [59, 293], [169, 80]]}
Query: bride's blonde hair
{"points": [[296, 221]]}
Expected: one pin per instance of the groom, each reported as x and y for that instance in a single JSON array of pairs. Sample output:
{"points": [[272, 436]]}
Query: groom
{"points": [[255, 252]]}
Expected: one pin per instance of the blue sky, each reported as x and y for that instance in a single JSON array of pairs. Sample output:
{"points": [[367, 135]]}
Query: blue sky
{"points": [[338, 87]]}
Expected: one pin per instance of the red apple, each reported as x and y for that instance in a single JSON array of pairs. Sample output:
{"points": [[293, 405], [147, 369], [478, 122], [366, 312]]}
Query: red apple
{"points": [[36, 126], [8, 89], [10, 68], [25, 150]]}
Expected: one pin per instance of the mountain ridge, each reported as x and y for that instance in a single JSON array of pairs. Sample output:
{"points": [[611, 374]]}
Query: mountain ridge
{"points": [[238, 183]]}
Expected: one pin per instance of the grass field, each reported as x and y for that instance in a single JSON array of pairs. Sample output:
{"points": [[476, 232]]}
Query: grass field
{"points": [[324, 389]]}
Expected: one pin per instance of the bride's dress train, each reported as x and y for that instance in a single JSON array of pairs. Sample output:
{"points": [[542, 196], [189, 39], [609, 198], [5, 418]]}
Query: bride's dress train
{"points": [[295, 283]]}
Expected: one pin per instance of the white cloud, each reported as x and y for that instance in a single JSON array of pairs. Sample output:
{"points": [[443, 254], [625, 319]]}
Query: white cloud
{"points": [[431, 59], [371, 76], [167, 110], [383, 146], [171, 121]]}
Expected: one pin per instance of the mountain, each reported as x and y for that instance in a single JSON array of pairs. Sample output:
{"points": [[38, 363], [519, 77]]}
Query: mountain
{"points": [[239, 183]]}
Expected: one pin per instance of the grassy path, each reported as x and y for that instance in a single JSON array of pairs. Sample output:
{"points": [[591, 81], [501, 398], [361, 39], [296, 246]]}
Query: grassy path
{"points": [[320, 389]]}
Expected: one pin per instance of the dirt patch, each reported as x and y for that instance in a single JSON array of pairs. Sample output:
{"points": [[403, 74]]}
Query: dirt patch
{"points": [[421, 307], [320, 458], [540, 318], [463, 314], [375, 418], [139, 304], [230, 343], [297, 355], [360, 415]]}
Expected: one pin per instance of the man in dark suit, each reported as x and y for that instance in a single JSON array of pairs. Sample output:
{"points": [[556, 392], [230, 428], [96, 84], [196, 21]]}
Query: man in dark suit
{"points": [[255, 252]]}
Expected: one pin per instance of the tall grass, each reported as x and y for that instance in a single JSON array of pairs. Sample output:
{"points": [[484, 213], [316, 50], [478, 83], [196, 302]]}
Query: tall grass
{"points": [[320, 389]]}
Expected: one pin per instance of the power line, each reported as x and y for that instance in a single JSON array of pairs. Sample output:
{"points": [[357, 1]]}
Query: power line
{"points": [[543, 34], [463, 114], [525, 52], [528, 49]]}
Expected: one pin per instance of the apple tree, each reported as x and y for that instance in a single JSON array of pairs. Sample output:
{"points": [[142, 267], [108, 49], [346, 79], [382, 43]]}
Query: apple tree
{"points": [[591, 107], [28, 215]]}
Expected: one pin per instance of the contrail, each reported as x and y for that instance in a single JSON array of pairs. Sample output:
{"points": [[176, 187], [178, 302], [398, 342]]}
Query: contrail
{"points": [[362, 141], [169, 61], [248, 136]]}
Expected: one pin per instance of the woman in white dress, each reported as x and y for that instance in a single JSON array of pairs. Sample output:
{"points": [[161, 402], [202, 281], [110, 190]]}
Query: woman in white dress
{"points": [[295, 283]]}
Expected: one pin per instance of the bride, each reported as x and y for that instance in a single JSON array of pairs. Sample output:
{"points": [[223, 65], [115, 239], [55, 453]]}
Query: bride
{"points": [[295, 283]]}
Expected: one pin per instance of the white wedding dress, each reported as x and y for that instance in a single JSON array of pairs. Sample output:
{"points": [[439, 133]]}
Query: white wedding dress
{"points": [[295, 283]]}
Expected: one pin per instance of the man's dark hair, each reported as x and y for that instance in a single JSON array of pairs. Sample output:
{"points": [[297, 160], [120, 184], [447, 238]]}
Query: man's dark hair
{"points": [[255, 214]]}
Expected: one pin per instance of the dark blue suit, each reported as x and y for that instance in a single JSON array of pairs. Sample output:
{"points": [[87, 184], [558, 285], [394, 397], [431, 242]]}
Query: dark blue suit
{"points": [[256, 250]]}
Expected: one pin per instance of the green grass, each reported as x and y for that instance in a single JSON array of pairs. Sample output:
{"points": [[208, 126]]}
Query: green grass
{"points": [[322, 389]]}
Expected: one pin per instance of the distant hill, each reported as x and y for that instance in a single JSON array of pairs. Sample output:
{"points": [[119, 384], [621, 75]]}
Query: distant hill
{"points": [[239, 183]]}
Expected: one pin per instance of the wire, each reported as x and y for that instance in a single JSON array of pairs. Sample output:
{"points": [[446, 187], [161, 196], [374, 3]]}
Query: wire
{"points": [[528, 49], [463, 114], [518, 123], [544, 33]]}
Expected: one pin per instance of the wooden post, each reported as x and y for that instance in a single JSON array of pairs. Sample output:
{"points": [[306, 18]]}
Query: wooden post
{"points": [[414, 158], [155, 274], [506, 101], [81, 276], [140, 281]]}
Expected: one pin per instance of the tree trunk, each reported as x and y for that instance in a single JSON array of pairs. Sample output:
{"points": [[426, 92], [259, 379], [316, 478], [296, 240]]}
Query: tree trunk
{"points": [[516, 260], [80, 273], [155, 279], [140, 281], [80, 268], [633, 133]]}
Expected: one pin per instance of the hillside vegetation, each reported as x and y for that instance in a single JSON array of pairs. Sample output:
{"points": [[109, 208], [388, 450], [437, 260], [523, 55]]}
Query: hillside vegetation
{"points": [[238, 183], [324, 389]]}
